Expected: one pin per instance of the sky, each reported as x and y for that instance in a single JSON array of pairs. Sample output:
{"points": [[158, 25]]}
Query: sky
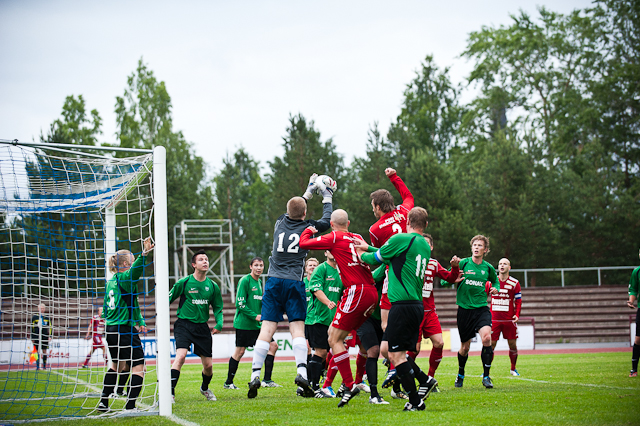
{"points": [[237, 70]]}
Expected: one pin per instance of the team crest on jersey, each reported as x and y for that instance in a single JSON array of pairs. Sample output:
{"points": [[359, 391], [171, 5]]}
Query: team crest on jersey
{"points": [[482, 272], [206, 288]]}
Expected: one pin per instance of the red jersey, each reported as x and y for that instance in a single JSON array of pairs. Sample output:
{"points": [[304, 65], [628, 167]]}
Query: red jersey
{"points": [[340, 244], [97, 325], [434, 269], [507, 302], [394, 222]]}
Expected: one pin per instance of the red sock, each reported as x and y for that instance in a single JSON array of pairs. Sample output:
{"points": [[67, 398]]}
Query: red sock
{"points": [[412, 354], [332, 370], [361, 363], [86, 361], [513, 356], [434, 360], [329, 358], [342, 362]]}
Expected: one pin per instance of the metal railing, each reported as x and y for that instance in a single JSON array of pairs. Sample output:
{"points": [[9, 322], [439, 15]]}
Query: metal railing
{"points": [[562, 271]]}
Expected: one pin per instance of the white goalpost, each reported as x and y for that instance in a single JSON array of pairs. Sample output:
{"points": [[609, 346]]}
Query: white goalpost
{"points": [[64, 211]]}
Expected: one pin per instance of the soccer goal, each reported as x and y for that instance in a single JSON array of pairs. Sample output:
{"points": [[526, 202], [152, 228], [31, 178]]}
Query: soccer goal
{"points": [[64, 211]]}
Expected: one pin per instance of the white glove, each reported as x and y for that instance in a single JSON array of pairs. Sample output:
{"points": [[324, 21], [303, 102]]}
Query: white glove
{"points": [[311, 188], [326, 187]]}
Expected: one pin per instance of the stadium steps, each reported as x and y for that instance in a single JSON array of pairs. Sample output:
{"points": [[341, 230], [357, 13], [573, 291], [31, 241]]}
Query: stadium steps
{"points": [[576, 314]]}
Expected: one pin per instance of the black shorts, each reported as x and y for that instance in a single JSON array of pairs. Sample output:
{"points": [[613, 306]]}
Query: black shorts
{"points": [[246, 338], [124, 345], [472, 320], [317, 335], [638, 323], [198, 334], [370, 333], [403, 326]]}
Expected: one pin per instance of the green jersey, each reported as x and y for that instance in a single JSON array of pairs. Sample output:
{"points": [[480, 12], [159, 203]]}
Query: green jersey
{"points": [[471, 293], [305, 280], [120, 305], [634, 282], [248, 304], [408, 256], [325, 278], [195, 298]]}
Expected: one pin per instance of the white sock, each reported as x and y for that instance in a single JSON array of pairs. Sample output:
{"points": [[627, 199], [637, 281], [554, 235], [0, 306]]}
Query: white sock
{"points": [[259, 354], [300, 353]]}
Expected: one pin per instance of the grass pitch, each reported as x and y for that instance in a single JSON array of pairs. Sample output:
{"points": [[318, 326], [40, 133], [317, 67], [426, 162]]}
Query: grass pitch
{"points": [[568, 389]]}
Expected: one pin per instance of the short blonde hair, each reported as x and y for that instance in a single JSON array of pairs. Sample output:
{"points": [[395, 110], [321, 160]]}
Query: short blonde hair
{"points": [[119, 260], [482, 238], [297, 208]]}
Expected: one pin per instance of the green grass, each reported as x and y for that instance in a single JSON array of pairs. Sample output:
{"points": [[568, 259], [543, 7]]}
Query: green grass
{"points": [[572, 389]]}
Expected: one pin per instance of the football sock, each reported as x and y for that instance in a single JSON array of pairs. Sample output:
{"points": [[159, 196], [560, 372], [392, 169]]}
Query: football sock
{"points": [[110, 379], [462, 361], [372, 375], [315, 370], [327, 360], [233, 368], [86, 361], [175, 375], [634, 357], [417, 371], [268, 367], [205, 381], [332, 371], [412, 354], [513, 356], [405, 374], [259, 354], [44, 361], [485, 356], [134, 391], [300, 353], [342, 362], [123, 377], [361, 362], [434, 360]]}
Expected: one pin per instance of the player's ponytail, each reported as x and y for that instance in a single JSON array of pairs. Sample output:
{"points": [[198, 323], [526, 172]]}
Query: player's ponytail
{"points": [[119, 260]]}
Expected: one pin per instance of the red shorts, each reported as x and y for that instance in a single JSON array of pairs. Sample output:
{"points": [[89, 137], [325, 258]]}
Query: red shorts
{"points": [[430, 324], [357, 304], [384, 302], [508, 328], [352, 340], [97, 342]]}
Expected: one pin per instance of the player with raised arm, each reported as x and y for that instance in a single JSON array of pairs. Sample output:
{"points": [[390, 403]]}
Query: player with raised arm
{"points": [[196, 293], [284, 291], [41, 332], [474, 316], [634, 288], [359, 297], [505, 312], [407, 255], [95, 333], [392, 220], [247, 324], [325, 289], [124, 321]]}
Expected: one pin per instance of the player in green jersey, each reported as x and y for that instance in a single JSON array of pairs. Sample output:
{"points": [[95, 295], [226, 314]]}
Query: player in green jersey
{"points": [[407, 256], [474, 316], [325, 289], [123, 322], [634, 288], [196, 293], [247, 324]]}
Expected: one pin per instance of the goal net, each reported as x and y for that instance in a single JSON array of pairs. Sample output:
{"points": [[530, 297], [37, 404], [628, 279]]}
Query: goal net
{"points": [[63, 213]]}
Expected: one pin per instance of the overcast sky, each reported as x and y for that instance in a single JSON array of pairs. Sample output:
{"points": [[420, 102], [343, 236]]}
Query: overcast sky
{"points": [[236, 70]]}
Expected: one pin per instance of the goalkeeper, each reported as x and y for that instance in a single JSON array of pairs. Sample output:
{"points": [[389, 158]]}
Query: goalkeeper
{"points": [[122, 316], [40, 333], [284, 290]]}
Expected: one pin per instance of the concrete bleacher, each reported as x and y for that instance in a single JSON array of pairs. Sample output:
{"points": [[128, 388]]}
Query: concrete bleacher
{"points": [[578, 314]]}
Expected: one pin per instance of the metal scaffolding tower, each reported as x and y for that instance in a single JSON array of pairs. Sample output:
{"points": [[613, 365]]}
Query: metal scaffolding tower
{"points": [[212, 236]]}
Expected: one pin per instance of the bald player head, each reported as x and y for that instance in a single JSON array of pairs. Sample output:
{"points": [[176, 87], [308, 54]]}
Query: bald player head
{"points": [[339, 220], [504, 266]]}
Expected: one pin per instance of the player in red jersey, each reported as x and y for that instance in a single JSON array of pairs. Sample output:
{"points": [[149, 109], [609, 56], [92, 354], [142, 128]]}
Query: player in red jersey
{"points": [[95, 333], [392, 220], [505, 311], [360, 295]]}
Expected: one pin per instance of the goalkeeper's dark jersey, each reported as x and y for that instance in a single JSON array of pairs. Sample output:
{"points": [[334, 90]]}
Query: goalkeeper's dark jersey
{"points": [[40, 327], [287, 258]]}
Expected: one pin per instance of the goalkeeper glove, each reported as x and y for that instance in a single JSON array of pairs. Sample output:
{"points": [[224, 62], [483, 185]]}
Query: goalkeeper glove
{"points": [[327, 191], [311, 188]]}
